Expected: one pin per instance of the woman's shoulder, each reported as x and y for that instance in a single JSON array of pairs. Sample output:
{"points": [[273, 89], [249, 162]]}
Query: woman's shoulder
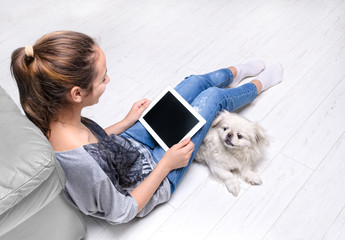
{"points": [[65, 138]]}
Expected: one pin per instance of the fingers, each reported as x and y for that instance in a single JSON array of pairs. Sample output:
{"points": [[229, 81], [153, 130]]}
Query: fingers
{"points": [[179, 155], [147, 101], [190, 148], [187, 144], [143, 102], [188, 151], [185, 141]]}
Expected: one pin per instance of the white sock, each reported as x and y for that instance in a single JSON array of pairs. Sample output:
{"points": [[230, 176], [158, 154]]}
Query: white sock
{"points": [[271, 76], [248, 69]]}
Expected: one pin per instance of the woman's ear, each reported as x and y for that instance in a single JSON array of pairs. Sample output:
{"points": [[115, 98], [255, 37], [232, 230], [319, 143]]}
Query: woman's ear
{"points": [[76, 94]]}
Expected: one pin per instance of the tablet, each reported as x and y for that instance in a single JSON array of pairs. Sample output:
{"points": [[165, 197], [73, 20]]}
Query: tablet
{"points": [[170, 119]]}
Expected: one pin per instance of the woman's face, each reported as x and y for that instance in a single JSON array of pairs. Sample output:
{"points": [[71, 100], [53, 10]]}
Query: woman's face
{"points": [[100, 82]]}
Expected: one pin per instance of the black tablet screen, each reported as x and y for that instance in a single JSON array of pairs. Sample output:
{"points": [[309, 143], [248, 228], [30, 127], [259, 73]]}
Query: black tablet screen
{"points": [[170, 119]]}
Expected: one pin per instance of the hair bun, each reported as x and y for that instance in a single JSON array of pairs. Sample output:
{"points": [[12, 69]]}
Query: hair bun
{"points": [[29, 51]]}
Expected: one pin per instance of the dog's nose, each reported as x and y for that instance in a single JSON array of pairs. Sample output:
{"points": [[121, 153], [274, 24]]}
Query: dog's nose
{"points": [[229, 136]]}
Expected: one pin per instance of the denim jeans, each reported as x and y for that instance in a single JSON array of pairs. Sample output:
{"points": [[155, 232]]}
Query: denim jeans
{"points": [[208, 95]]}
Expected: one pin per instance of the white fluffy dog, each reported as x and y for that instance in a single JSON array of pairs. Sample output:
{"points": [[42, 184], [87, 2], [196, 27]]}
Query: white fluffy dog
{"points": [[233, 147]]}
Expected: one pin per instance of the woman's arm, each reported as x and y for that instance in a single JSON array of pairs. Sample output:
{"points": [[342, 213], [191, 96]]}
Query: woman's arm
{"points": [[176, 157], [134, 114]]}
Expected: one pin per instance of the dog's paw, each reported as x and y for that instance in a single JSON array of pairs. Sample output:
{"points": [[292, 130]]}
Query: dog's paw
{"points": [[234, 186], [252, 178]]}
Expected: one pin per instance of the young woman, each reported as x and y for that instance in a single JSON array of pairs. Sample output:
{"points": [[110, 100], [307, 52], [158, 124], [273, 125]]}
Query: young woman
{"points": [[119, 172]]}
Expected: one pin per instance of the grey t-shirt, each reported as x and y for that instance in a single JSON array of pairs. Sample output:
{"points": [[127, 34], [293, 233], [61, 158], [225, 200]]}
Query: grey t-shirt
{"points": [[100, 176]]}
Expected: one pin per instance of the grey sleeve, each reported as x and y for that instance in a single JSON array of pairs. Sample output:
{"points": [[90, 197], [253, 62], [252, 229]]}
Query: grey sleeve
{"points": [[92, 191], [161, 195]]}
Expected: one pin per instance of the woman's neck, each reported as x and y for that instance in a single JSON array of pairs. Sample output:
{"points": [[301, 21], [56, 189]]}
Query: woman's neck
{"points": [[70, 116], [68, 132]]}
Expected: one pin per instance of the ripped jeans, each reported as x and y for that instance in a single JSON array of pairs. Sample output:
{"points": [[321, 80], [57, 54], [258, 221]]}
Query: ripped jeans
{"points": [[208, 95]]}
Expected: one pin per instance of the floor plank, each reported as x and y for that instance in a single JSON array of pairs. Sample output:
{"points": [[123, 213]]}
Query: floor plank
{"points": [[336, 232], [194, 221], [297, 106], [260, 206], [301, 58], [320, 132], [318, 204], [139, 228]]}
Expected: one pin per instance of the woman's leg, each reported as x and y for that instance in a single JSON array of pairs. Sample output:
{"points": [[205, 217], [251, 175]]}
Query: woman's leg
{"points": [[189, 88], [193, 85], [208, 103]]}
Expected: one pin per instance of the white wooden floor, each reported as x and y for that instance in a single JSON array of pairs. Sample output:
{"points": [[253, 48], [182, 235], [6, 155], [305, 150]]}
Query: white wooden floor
{"points": [[150, 44]]}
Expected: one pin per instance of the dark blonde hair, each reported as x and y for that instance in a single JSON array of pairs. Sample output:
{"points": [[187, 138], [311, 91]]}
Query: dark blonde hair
{"points": [[60, 61]]}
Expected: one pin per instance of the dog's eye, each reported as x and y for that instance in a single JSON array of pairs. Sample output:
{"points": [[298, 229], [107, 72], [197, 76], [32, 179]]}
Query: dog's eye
{"points": [[225, 129], [239, 136]]}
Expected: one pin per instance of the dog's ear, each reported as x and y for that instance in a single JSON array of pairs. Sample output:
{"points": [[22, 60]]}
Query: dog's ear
{"points": [[217, 120], [260, 135]]}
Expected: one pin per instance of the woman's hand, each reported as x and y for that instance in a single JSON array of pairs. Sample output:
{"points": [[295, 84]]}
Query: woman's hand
{"points": [[134, 114], [136, 111], [178, 155]]}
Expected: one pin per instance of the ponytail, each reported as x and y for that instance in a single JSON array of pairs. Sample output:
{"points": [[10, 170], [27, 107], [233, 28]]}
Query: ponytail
{"points": [[48, 70]]}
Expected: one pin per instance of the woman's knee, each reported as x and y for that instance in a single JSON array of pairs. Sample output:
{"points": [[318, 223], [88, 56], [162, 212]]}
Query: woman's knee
{"points": [[213, 92], [191, 87], [208, 99], [199, 80]]}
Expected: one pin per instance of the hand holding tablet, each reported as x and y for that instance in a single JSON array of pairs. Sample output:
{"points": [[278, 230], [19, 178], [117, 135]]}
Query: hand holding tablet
{"points": [[170, 119]]}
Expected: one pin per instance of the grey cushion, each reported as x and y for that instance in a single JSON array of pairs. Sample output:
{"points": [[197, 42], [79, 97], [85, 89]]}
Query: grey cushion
{"points": [[57, 221], [28, 165]]}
